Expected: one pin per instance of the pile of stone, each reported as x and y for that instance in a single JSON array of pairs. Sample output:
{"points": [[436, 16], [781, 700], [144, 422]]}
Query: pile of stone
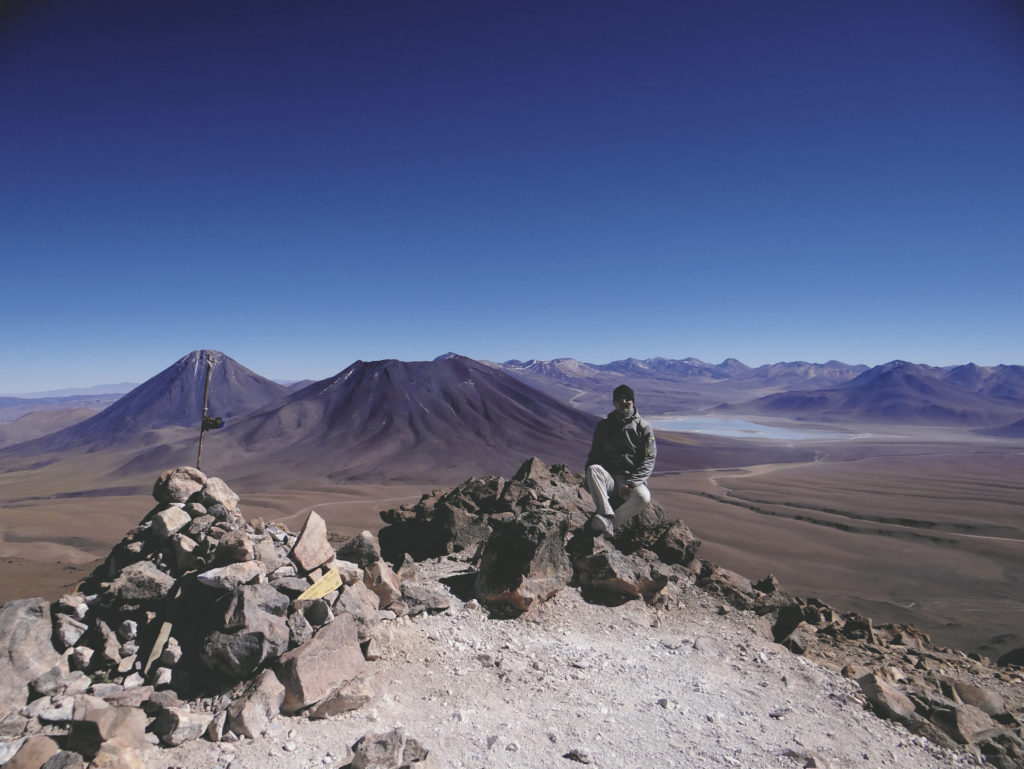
{"points": [[199, 623], [528, 540]]}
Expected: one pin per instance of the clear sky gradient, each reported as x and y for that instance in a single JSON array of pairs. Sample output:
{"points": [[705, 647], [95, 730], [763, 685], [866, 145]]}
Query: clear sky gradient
{"points": [[304, 184]]}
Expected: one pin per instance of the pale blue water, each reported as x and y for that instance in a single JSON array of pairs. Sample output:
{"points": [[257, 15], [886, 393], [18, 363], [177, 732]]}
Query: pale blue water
{"points": [[734, 427]]}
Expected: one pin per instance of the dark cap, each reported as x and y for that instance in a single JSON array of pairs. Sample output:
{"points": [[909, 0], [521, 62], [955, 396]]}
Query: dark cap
{"points": [[623, 393]]}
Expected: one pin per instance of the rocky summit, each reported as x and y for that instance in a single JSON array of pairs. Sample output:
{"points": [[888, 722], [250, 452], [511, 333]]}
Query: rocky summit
{"points": [[202, 625]]}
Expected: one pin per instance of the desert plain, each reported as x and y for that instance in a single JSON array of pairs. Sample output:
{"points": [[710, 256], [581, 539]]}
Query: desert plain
{"points": [[903, 524]]}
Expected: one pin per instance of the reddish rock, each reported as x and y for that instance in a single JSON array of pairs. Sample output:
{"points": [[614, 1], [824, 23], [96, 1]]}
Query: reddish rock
{"points": [[95, 726], [607, 574], [33, 753], [312, 549], [234, 547], [963, 723], [350, 696], [887, 700], [524, 561], [331, 659], [383, 581], [250, 715]]}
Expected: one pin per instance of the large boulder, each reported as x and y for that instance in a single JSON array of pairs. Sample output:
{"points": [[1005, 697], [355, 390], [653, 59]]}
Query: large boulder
{"points": [[216, 492], [96, 725], [35, 751], [671, 541], [886, 699], [140, 583], [524, 561], [178, 485], [362, 549], [608, 575], [239, 653], [312, 548], [251, 714], [326, 663], [26, 651]]}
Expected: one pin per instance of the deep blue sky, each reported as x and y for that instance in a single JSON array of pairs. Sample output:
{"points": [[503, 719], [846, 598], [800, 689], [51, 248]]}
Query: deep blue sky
{"points": [[301, 185]]}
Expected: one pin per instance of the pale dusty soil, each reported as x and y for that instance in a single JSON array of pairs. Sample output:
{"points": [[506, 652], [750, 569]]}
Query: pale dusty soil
{"points": [[633, 686]]}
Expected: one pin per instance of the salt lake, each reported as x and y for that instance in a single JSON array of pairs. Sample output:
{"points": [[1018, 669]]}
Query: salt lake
{"points": [[736, 427]]}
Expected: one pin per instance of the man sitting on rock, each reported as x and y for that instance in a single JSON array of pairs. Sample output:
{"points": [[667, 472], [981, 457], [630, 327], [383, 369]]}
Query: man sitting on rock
{"points": [[620, 462]]}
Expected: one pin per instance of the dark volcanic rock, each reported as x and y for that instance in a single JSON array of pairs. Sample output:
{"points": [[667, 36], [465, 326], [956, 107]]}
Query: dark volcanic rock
{"points": [[454, 520], [240, 653], [524, 561], [608, 575], [673, 542], [362, 549]]}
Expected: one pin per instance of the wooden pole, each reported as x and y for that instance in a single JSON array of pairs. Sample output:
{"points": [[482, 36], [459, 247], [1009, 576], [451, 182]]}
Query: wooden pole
{"points": [[202, 421]]}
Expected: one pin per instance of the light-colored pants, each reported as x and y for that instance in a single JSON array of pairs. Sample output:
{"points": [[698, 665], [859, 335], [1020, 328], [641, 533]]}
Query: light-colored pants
{"points": [[602, 484]]}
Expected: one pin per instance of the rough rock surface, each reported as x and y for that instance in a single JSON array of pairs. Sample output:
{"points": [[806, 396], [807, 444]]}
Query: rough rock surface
{"points": [[624, 651], [674, 684]]}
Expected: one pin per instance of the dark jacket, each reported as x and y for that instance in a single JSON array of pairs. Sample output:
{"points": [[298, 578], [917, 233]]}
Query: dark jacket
{"points": [[624, 447]]}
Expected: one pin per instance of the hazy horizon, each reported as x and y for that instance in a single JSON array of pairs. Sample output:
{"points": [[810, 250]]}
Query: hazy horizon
{"points": [[302, 186]]}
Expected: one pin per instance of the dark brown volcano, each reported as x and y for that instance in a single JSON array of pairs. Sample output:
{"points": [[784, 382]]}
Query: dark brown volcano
{"points": [[445, 419]]}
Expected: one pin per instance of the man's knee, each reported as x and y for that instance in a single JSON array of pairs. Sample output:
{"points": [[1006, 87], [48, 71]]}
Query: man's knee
{"points": [[597, 478], [642, 492]]}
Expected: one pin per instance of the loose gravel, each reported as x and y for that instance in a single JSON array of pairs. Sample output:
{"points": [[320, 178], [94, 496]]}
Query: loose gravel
{"points": [[680, 684]]}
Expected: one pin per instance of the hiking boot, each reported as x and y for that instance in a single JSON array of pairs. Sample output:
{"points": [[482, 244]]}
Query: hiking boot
{"points": [[601, 525]]}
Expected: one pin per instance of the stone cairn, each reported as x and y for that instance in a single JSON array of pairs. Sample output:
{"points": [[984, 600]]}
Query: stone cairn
{"points": [[201, 624]]}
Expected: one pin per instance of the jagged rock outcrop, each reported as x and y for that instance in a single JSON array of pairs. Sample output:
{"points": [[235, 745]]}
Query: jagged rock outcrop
{"points": [[453, 520], [523, 561]]}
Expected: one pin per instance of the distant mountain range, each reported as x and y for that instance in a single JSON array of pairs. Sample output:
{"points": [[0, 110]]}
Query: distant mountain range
{"points": [[896, 392], [906, 393], [452, 417], [666, 386]]}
